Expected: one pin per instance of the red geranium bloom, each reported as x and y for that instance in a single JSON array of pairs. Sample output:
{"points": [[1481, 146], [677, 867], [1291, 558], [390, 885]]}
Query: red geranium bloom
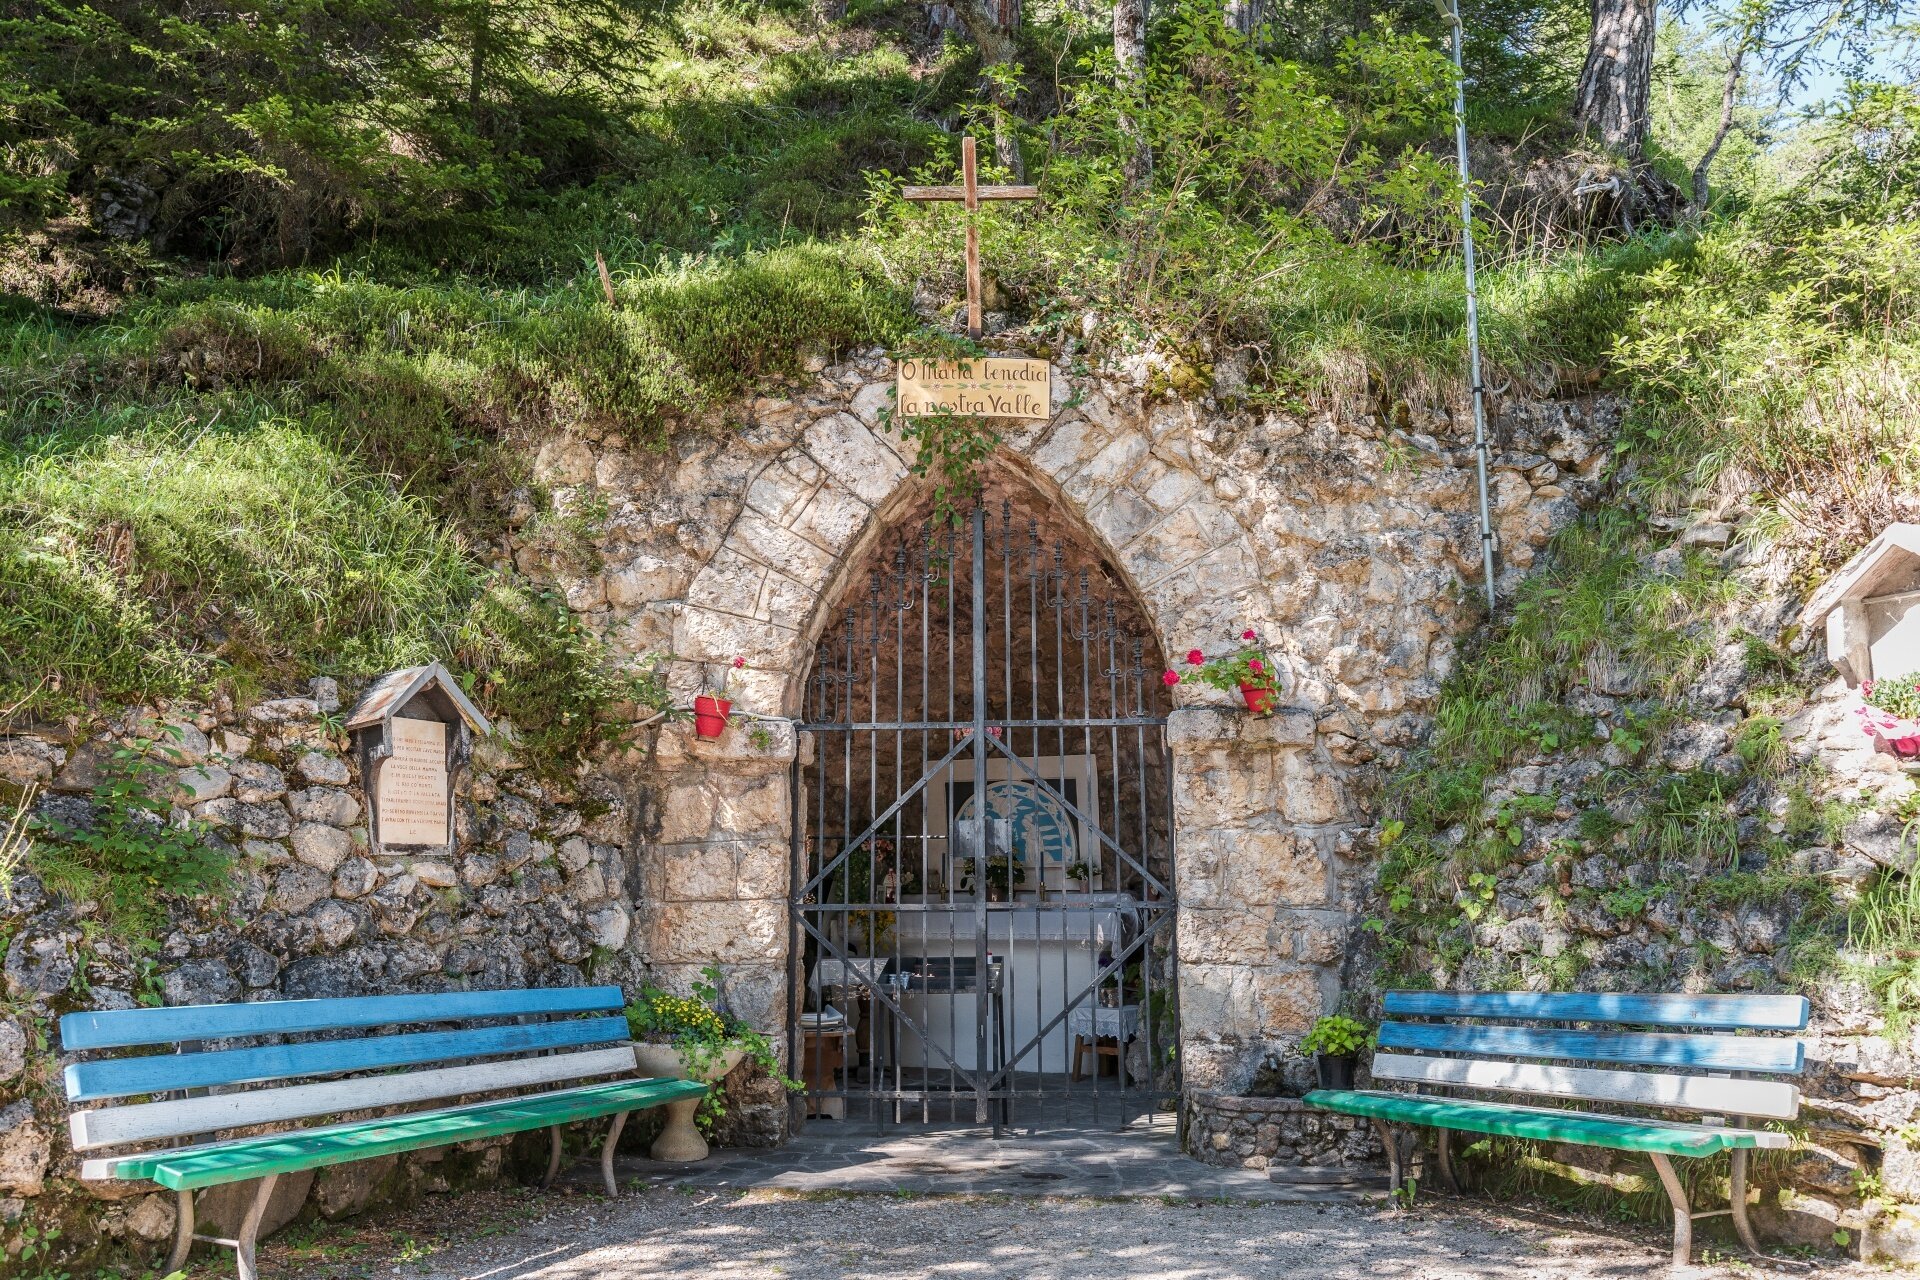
{"points": [[1254, 666], [738, 663], [1247, 634], [1170, 679], [1195, 657]]}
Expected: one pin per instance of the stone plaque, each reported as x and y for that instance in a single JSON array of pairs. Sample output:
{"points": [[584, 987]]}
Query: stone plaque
{"points": [[989, 387], [412, 804]]}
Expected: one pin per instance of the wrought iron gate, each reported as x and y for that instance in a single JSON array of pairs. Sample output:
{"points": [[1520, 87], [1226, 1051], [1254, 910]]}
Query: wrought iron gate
{"points": [[982, 862]]}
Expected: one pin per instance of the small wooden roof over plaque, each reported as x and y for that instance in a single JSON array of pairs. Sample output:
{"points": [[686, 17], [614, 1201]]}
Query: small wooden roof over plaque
{"points": [[1887, 563], [397, 688]]}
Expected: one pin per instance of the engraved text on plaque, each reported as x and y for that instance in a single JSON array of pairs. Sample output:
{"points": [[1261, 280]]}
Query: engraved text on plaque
{"points": [[412, 804]]}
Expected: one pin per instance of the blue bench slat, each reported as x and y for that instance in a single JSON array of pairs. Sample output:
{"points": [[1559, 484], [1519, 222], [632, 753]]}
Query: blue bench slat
{"points": [[1754, 1013], [160, 1073], [1655, 1049], [114, 1028]]}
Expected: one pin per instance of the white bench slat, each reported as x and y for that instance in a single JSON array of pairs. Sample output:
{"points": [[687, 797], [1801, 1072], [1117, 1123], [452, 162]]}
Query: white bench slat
{"points": [[148, 1121], [1769, 1099], [1765, 1139]]}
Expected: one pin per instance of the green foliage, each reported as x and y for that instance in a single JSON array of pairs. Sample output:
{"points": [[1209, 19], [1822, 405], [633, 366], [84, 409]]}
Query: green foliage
{"points": [[1883, 949], [1896, 695], [1248, 664], [270, 134], [703, 1030], [1336, 1035], [128, 852]]}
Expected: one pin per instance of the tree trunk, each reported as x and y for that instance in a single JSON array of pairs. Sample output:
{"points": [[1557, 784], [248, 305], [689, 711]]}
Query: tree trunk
{"points": [[1611, 100], [1245, 16], [1729, 99], [1130, 56], [990, 24]]}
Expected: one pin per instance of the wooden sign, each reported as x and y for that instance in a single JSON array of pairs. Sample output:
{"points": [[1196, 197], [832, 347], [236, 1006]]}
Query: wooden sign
{"points": [[412, 804], [988, 387]]}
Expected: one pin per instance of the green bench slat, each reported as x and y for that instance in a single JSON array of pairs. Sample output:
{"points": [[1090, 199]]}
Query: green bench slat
{"points": [[1514, 1122], [247, 1158]]}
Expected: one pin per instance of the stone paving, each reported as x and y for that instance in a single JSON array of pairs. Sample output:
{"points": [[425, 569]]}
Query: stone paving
{"points": [[1142, 1160]]}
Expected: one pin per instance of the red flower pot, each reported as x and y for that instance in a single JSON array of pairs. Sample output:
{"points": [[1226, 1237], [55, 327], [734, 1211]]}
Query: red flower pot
{"points": [[1259, 700], [710, 716]]}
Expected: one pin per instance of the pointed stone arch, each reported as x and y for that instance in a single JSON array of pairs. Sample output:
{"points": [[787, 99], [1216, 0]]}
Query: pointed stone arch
{"points": [[1261, 815]]}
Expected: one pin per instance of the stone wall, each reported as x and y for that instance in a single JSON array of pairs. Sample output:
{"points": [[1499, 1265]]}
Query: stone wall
{"points": [[1348, 544], [1789, 813], [1241, 1132], [539, 889]]}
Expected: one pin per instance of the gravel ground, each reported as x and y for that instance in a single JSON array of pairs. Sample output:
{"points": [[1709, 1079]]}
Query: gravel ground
{"points": [[688, 1234]]}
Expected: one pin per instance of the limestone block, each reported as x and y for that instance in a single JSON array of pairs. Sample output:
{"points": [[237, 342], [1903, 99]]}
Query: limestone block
{"points": [[716, 932], [201, 783], [611, 926], [708, 635], [764, 870], [643, 579], [870, 400], [25, 1150], [298, 886], [1224, 867], [1231, 936], [729, 583], [13, 1050], [283, 711], [178, 742], [267, 821], [321, 846], [320, 767], [330, 805], [761, 538], [575, 853], [26, 760], [833, 517], [1308, 791], [434, 874], [847, 450], [1072, 442], [333, 923], [564, 460], [696, 873], [354, 878], [783, 488], [587, 886]]}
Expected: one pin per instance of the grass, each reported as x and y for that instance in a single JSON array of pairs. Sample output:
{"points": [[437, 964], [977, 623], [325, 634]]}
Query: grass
{"points": [[259, 480]]}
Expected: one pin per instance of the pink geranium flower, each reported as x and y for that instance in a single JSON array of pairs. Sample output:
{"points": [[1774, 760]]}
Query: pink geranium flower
{"points": [[1170, 679], [1253, 665], [1195, 657]]}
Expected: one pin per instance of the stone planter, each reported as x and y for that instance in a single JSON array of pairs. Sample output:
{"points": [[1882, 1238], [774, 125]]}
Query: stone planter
{"points": [[710, 716], [680, 1141]]}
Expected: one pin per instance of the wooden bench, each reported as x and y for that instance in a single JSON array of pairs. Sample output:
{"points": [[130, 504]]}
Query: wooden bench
{"points": [[556, 1035], [1474, 1044]]}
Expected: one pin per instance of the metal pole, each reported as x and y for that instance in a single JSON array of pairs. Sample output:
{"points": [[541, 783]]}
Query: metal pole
{"points": [[1452, 14]]}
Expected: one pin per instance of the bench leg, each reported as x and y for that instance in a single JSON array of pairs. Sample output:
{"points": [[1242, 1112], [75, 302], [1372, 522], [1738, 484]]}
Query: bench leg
{"points": [[182, 1232], [1738, 1186], [606, 1154], [553, 1157], [1388, 1141], [1682, 1214], [250, 1227], [1443, 1147]]}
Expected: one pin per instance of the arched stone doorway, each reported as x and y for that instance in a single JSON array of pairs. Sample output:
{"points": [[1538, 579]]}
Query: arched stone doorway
{"points": [[984, 830], [1206, 544]]}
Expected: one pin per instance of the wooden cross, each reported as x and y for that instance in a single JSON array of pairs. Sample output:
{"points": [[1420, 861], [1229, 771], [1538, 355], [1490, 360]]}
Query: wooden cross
{"points": [[971, 193]]}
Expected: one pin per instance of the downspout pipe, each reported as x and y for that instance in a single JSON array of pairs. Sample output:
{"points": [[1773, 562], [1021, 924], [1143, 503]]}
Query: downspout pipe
{"points": [[1450, 12]]}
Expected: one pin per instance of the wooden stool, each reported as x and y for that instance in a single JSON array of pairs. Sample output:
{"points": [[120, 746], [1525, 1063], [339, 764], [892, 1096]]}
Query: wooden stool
{"points": [[823, 1055], [1100, 1047]]}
